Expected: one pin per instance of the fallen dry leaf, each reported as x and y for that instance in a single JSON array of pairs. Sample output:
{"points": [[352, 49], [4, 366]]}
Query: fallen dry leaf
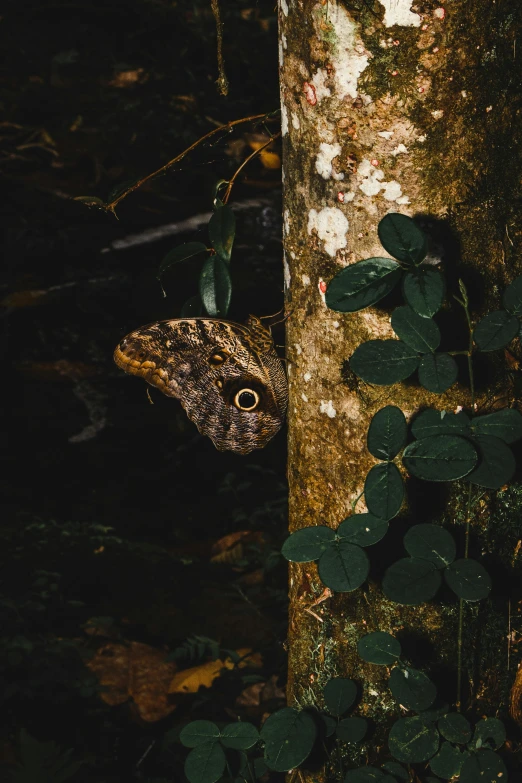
{"points": [[128, 78], [135, 671], [190, 680]]}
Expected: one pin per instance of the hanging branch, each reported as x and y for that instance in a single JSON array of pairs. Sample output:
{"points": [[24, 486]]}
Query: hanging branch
{"points": [[221, 81]]}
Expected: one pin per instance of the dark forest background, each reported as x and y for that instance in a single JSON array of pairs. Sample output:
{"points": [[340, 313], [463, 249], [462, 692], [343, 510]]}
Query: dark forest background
{"points": [[136, 560]]}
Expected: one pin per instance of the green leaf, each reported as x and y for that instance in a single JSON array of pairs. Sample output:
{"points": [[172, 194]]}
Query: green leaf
{"points": [[307, 544], [397, 770], [489, 732], [222, 230], [440, 458], [468, 579], [431, 542], [197, 732], [412, 688], [329, 723], [240, 736], [339, 695], [495, 330], [505, 424], [387, 433], [448, 761], [289, 737], [402, 238], [205, 763], [411, 581], [343, 567], [421, 334], [384, 490], [362, 529], [512, 298], [379, 647], [364, 775], [352, 729], [432, 422], [424, 290], [435, 713], [484, 766], [192, 308], [383, 362], [181, 253], [437, 372], [215, 286], [497, 463], [362, 284], [412, 741], [455, 728]]}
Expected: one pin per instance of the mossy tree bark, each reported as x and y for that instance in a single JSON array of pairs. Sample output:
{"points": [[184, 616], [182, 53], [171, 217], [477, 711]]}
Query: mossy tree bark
{"points": [[415, 109]]}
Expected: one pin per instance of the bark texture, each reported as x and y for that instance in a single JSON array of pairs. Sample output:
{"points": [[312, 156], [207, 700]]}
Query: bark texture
{"points": [[414, 109]]}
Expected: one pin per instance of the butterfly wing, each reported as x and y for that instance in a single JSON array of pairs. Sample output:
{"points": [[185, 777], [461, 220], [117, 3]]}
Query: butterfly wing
{"points": [[233, 392]]}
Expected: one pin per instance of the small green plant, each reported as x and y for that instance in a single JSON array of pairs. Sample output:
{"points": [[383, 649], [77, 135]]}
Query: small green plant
{"points": [[215, 286]]}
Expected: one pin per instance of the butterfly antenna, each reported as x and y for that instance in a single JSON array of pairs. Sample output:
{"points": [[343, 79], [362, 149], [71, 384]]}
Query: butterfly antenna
{"points": [[264, 317], [282, 321]]}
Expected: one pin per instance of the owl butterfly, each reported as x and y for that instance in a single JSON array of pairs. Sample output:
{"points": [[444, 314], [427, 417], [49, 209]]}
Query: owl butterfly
{"points": [[228, 377]]}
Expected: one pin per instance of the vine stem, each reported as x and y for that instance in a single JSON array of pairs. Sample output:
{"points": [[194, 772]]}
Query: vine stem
{"points": [[247, 160], [465, 304], [227, 127]]}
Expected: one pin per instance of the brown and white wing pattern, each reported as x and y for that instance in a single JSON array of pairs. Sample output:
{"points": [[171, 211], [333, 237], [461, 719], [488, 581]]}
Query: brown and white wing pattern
{"points": [[228, 377]]}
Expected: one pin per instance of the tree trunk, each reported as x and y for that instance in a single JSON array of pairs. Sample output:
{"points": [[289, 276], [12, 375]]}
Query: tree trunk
{"points": [[388, 107]]}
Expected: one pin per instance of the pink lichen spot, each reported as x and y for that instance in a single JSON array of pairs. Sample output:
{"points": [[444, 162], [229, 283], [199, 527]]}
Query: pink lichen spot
{"points": [[424, 27], [435, 49], [396, 43], [310, 95], [439, 13], [322, 287], [421, 89], [340, 197], [374, 162], [394, 73]]}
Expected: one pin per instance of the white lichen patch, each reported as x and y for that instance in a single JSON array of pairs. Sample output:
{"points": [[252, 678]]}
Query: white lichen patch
{"points": [[400, 149], [284, 7], [304, 397], [328, 408], [331, 226], [348, 57], [286, 222], [323, 161], [298, 349], [306, 280], [392, 191], [373, 182], [318, 81], [284, 41], [286, 273], [399, 12], [295, 121], [284, 119], [281, 54], [385, 134], [307, 377]]}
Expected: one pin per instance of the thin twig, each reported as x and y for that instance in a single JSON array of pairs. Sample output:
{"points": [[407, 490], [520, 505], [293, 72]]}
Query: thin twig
{"points": [[111, 207], [247, 160]]}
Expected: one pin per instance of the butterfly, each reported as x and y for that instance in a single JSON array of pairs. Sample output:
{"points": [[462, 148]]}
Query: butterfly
{"points": [[227, 376]]}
